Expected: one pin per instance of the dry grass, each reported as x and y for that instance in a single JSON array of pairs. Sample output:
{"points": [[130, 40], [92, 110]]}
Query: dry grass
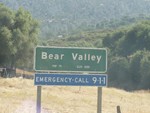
{"points": [[19, 71], [17, 93]]}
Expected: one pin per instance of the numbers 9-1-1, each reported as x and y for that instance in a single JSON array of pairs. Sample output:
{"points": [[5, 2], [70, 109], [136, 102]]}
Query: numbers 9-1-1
{"points": [[99, 80]]}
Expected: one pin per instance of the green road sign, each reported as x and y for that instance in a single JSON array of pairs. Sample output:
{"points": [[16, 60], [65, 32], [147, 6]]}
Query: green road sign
{"points": [[72, 59]]}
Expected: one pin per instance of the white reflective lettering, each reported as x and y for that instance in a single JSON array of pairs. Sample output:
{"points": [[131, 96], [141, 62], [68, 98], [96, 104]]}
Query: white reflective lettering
{"points": [[74, 56], [50, 56], [44, 55], [98, 58], [37, 79]]}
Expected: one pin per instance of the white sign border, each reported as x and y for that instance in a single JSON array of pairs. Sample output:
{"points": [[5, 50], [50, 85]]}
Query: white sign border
{"points": [[94, 72]]}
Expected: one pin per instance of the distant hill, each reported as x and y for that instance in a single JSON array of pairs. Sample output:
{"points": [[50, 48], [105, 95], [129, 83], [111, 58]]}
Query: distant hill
{"points": [[62, 17]]}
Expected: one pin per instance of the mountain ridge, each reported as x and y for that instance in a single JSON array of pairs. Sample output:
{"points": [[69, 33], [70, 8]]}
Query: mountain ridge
{"points": [[61, 17]]}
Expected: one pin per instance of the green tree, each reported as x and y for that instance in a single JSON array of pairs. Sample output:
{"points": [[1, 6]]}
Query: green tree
{"points": [[25, 33], [140, 69], [6, 43], [137, 38], [113, 39], [145, 71], [118, 72], [135, 60], [18, 36]]}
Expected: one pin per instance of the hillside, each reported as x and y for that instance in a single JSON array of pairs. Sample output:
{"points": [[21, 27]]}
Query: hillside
{"points": [[63, 17], [19, 95]]}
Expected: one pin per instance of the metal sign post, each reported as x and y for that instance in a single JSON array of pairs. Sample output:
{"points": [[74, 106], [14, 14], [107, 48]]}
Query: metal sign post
{"points": [[38, 104], [99, 100]]}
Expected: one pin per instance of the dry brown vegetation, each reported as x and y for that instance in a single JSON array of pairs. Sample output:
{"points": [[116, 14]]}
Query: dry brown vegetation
{"points": [[19, 71], [18, 95]]}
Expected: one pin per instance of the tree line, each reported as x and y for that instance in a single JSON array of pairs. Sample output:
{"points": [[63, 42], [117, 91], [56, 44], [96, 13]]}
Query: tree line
{"points": [[129, 61]]}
